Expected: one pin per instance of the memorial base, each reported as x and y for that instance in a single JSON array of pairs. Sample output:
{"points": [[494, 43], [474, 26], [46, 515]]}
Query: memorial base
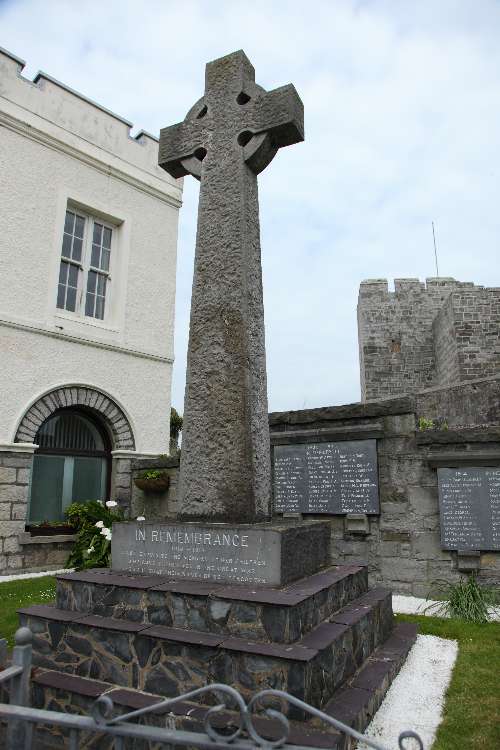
{"points": [[325, 638], [265, 554]]}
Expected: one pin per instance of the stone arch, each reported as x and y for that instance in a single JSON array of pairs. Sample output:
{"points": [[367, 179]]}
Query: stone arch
{"points": [[101, 405]]}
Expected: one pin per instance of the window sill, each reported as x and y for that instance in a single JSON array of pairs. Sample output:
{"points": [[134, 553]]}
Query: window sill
{"points": [[26, 538], [82, 321]]}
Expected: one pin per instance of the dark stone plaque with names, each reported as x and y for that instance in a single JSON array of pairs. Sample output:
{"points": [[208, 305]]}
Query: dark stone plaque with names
{"points": [[332, 478], [469, 505]]}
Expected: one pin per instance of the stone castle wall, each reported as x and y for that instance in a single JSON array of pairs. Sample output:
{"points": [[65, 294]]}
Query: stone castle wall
{"points": [[425, 334]]}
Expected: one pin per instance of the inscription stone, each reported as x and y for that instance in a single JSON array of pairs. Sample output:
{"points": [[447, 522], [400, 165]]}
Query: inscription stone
{"points": [[332, 478], [469, 504], [260, 554]]}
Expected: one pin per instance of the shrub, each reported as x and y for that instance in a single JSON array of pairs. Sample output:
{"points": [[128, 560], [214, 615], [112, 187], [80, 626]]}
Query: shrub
{"points": [[92, 547], [466, 600]]}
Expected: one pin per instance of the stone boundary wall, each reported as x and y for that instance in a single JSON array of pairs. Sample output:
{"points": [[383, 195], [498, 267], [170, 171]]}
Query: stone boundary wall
{"points": [[402, 545]]}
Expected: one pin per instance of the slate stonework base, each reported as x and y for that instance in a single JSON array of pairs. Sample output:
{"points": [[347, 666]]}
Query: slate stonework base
{"points": [[354, 703], [168, 637]]}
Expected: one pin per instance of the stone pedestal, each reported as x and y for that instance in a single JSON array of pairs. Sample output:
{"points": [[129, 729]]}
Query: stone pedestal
{"points": [[252, 554]]}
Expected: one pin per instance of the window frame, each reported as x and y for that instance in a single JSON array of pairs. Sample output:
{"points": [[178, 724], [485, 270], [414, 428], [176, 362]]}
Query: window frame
{"points": [[85, 267], [69, 453]]}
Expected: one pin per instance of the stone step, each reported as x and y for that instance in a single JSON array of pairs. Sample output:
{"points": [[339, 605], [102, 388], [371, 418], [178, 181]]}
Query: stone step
{"points": [[354, 704], [266, 614], [171, 660]]}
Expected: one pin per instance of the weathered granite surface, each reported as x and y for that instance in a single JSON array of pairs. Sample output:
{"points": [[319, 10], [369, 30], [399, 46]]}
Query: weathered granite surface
{"points": [[226, 139]]}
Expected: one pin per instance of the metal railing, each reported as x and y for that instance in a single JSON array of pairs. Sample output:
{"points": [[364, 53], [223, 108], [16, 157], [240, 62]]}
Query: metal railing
{"points": [[22, 718]]}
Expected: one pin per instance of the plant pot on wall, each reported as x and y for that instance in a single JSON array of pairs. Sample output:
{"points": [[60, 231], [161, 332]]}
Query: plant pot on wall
{"points": [[153, 481]]}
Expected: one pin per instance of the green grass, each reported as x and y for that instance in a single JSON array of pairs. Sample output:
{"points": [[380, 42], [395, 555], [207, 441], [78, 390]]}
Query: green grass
{"points": [[15, 594], [472, 711]]}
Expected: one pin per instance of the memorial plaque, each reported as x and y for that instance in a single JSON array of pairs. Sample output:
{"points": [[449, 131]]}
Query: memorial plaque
{"points": [[469, 505], [332, 478], [240, 554]]}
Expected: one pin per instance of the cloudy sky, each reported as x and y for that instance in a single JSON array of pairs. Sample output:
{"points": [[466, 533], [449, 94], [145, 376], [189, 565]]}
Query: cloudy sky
{"points": [[402, 108]]}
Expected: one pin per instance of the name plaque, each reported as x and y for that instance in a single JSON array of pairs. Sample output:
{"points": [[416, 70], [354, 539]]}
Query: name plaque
{"points": [[214, 552], [332, 478], [469, 506]]}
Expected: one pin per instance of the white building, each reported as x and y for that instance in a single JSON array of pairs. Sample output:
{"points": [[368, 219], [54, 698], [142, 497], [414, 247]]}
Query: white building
{"points": [[88, 234]]}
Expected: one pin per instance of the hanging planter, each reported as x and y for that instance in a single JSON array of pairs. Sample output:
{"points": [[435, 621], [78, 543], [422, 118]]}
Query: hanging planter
{"points": [[153, 481]]}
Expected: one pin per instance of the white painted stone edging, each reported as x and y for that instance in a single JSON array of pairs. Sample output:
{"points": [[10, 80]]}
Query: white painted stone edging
{"points": [[22, 576], [413, 605], [415, 699]]}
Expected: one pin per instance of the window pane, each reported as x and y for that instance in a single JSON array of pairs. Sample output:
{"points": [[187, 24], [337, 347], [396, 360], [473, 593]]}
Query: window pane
{"points": [[89, 305], [46, 488], [105, 260], [91, 281], [79, 226], [69, 222], [99, 308], [88, 479], [96, 250], [77, 249], [71, 299], [106, 237], [66, 246], [63, 272], [101, 285], [73, 276], [97, 233], [61, 289]]}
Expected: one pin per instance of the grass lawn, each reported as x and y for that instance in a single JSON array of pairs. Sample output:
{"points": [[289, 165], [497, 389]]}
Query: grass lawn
{"points": [[15, 594], [472, 710]]}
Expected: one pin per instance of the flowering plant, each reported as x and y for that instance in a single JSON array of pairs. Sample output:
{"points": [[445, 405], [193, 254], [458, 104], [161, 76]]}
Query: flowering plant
{"points": [[93, 521]]}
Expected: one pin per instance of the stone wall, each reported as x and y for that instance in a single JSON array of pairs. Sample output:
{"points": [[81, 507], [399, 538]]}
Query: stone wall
{"points": [[474, 403], [476, 315], [402, 547], [19, 552], [424, 335], [155, 506]]}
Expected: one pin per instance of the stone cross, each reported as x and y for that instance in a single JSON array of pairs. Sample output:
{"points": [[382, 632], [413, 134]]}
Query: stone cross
{"points": [[228, 137]]}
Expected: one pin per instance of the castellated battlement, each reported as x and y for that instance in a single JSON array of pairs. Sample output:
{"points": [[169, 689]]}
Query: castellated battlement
{"points": [[425, 334], [54, 110]]}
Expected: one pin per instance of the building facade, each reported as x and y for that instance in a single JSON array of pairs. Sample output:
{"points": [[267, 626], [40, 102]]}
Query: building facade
{"points": [[88, 237], [425, 335]]}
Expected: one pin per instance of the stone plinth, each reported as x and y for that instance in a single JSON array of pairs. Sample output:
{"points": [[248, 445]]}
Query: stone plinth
{"points": [[260, 554]]}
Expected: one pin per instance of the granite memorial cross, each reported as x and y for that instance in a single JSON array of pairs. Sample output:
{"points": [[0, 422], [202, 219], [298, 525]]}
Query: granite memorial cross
{"points": [[228, 137]]}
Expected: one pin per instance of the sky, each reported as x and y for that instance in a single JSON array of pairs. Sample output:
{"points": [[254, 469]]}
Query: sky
{"points": [[402, 119]]}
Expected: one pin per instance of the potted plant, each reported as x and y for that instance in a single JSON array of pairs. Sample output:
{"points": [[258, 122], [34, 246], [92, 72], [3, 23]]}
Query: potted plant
{"points": [[152, 480]]}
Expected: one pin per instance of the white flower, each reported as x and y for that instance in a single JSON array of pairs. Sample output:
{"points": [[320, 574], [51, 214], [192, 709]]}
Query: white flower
{"points": [[105, 531], [111, 504], [100, 524], [90, 549], [140, 518], [108, 535]]}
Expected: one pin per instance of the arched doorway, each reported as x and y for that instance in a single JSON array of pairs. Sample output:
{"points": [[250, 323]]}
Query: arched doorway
{"points": [[71, 464]]}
